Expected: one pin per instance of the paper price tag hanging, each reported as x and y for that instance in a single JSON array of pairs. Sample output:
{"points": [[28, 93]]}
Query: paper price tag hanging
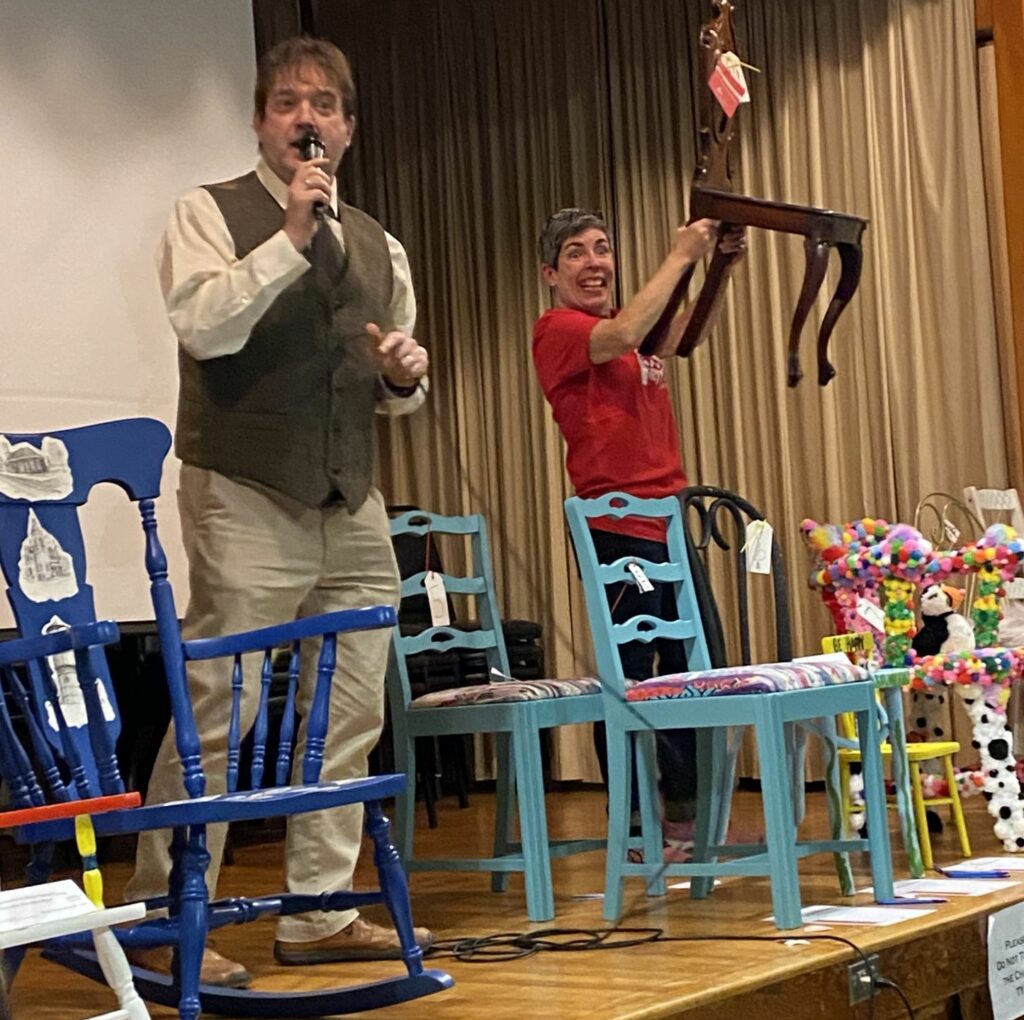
{"points": [[873, 613], [952, 532], [734, 66], [726, 87], [437, 599], [758, 547], [1014, 588], [643, 582]]}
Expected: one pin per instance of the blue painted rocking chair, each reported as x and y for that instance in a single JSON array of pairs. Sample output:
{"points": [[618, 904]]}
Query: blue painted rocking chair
{"points": [[68, 705]]}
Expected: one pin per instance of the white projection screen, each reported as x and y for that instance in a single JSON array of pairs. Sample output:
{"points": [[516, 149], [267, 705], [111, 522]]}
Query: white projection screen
{"points": [[111, 109]]}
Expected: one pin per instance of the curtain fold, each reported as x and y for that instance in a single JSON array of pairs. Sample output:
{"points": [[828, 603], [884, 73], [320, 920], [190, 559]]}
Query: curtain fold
{"points": [[477, 118]]}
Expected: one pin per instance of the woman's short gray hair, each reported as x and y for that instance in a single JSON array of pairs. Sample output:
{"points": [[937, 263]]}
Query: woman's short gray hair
{"points": [[561, 226]]}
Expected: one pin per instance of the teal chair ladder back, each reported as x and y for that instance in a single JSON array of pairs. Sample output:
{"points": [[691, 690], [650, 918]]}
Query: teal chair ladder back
{"points": [[55, 682], [771, 698], [514, 711]]}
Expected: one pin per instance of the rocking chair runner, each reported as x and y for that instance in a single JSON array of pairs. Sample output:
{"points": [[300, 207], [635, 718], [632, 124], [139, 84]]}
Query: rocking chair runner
{"points": [[712, 196]]}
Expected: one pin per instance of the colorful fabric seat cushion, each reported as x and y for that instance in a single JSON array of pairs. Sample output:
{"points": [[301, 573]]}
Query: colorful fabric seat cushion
{"points": [[769, 678], [508, 690]]}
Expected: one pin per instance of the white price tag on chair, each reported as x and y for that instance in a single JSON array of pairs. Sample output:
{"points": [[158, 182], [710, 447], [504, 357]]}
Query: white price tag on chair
{"points": [[758, 547], [1014, 588], [873, 613], [643, 582], [952, 532], [437, 598]]}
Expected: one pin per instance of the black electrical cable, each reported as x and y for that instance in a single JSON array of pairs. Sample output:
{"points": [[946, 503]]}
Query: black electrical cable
{"points": [[502, 947], [882, 982]]}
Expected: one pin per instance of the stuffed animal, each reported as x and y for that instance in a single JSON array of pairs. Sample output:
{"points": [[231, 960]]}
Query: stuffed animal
{"points": [[943, 629], [933, 786]]}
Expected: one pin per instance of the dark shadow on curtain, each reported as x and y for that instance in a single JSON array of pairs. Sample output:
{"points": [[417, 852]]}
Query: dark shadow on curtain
{"points": [[275, 20]]}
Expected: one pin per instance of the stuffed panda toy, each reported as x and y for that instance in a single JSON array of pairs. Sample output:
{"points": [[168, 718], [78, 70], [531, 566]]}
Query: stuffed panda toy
{"points": [[944, 630]]}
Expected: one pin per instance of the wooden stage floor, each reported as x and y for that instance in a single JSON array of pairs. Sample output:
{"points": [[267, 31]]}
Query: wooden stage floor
{"points": [[939, 959]]}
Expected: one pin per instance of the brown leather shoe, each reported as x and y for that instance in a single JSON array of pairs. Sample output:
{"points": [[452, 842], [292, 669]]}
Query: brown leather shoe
{"points": [[216, 969], [361, 940]]}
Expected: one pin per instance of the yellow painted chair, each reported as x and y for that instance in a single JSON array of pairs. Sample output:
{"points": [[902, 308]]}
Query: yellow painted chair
{"points": [[917, 753]]}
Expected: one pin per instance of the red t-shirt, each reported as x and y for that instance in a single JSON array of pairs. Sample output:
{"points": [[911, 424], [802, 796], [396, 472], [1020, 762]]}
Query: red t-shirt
{"points": [[616, 418]]}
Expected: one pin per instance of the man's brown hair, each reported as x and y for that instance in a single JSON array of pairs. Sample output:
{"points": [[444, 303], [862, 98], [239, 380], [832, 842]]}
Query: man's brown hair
{"points": [[292, 54]]}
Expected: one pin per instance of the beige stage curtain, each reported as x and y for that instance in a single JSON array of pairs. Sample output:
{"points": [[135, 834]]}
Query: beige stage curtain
{"points": [[479, 117]]}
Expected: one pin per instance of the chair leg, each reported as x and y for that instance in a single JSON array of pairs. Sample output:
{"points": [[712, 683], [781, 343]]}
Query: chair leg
{"points": [[712, 750], [620, 780], [956, 808], [405, 802], [645, 749], [836, 797], [796, 753], [923, 836], [870, 736], [726, 745], [393, 885], [118, 974], [533, 823], [778, 815], [910, 830], [504, 808], [192, 922]]}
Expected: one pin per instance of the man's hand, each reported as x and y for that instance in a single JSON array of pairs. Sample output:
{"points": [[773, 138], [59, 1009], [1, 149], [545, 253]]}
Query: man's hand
{"points": [[694, 241], [400, 358], [310, 184]]}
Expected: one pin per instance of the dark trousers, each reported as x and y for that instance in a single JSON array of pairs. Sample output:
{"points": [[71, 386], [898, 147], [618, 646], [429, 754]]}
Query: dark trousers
{"points": [[677, 749]]}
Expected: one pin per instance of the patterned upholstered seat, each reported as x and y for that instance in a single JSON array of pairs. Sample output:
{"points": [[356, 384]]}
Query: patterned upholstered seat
{"points": [[506, 691], [769, 678]]}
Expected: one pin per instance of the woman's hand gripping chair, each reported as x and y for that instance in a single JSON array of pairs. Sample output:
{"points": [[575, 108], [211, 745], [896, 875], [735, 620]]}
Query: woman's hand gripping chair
{"points": [[68, 703], [771, 698]]}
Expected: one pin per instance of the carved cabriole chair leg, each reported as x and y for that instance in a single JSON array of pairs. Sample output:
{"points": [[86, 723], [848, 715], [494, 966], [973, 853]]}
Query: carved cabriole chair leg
{"points": [[710, 297], [851, 257], [817, 252]]}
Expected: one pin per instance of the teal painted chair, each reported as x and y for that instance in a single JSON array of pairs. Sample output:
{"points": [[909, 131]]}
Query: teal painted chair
{"points": [[772, 698], [515, 711]]}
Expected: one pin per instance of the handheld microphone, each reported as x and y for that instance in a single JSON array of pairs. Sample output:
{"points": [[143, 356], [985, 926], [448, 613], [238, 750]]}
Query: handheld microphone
{"points": [[311, 146]]}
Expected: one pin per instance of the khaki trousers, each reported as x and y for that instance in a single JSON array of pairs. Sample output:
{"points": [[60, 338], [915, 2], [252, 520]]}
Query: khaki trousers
{"points": [[257, 557]]}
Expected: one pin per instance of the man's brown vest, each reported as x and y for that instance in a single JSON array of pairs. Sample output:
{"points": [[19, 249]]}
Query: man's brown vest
{"points": [[294, 408]]}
